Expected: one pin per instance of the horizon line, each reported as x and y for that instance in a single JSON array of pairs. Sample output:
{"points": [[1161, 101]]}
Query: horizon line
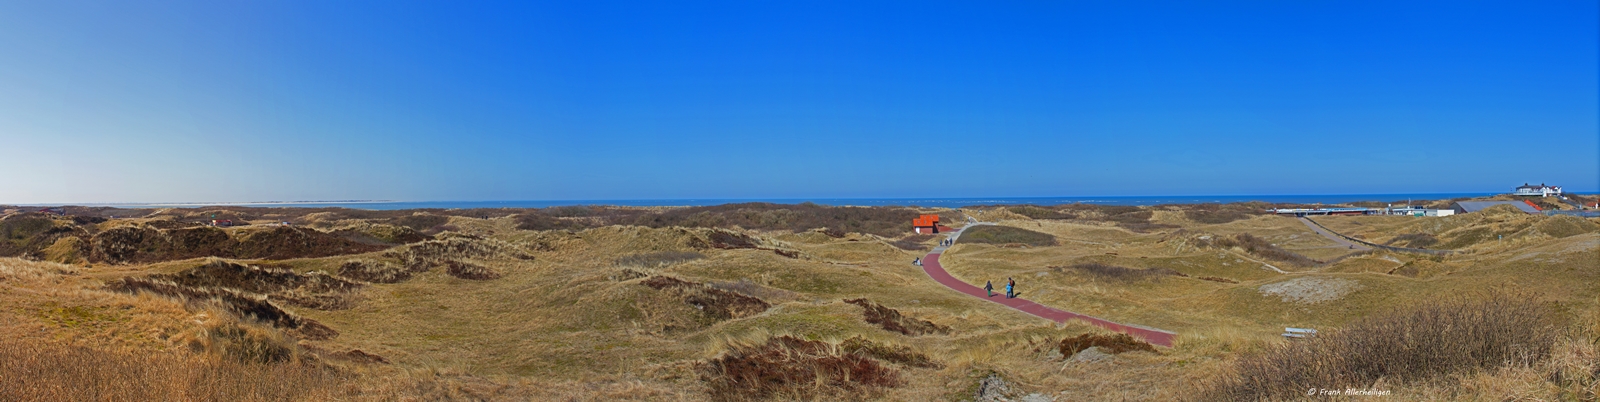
{"points": [[348, 201]]}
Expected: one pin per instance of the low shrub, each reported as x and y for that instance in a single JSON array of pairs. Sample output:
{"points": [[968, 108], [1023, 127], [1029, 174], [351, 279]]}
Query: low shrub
{"points": [[466, 270], [1006, 235], [912, 242], [891, 320], [1117, 343], [1037, 212], [898, 354], [1261, 247], [373, 271], [716, 304], [1431, 341], [1120, 273], [1413, 240], [791, 368], [657, 259]]}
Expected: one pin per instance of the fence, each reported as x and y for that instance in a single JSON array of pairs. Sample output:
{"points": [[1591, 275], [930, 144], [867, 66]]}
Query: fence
{"points": [[1380, 246]]}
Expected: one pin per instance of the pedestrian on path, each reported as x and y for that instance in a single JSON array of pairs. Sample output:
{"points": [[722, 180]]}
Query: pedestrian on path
{"points": [[989, 286], [1009, 284]]}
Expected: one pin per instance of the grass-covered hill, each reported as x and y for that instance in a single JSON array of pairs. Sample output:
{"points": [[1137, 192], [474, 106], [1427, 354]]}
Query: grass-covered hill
{"points": [[785, 302]]}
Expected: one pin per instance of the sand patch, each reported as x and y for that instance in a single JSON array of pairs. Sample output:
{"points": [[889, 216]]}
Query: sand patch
{"points": [[1310, 290]]}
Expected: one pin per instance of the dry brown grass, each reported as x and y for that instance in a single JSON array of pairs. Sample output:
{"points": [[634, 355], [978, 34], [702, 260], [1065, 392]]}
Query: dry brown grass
{"points": [[31, 371], [574, 325], [1429, 342]]}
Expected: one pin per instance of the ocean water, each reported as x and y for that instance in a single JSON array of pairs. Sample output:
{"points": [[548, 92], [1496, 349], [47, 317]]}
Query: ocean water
{"points": [[922, 202]]}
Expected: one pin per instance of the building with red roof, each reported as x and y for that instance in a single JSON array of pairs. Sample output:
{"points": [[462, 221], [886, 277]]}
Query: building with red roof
{"points": [[928, 224]]}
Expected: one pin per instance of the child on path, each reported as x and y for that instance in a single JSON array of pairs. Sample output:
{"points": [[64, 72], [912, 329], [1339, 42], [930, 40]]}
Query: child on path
{"points": [[1011, 288], [1008, 288], [989, 286]]}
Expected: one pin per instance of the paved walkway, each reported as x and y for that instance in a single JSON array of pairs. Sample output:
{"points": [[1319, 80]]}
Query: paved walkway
{"points": [[930, 265], [1336, 239]]}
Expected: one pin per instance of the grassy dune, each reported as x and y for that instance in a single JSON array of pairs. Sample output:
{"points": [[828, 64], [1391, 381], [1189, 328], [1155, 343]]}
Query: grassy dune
{"points": [[681, 313]]}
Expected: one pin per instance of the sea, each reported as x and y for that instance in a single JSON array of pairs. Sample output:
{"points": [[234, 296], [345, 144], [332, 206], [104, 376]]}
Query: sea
{"points": [[919, 202]]}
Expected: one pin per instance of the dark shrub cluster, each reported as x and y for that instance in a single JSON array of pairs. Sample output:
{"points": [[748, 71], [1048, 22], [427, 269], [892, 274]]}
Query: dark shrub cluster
{"points": [[912, 242], [657, 259], [1038, 212], [1218, 213], [1120, 273], [1413, 240], [237, 302], [891, 320], [898, 354], [1265, 249], [467, 270], [1118, 343], [717, 304], [791, 368], [1006, 235]]}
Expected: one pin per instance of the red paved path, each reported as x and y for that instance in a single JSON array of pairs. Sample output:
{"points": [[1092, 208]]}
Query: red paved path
{"points": [[930, 264]]}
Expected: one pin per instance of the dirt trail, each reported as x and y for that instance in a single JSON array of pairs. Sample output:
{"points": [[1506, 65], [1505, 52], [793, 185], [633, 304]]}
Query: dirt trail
{"points": [[930, 265]]}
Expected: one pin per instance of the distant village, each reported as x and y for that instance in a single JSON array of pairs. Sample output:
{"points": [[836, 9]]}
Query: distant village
{"points": [[1526, 191]]}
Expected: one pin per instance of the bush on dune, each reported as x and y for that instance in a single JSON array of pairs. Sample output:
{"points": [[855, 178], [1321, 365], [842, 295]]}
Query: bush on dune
{"points": [[1006, 235], [1430, 342], [1265, 249]]}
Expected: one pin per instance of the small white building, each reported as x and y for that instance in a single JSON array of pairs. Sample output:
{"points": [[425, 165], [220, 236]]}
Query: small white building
{"points": [[1539, 190]]}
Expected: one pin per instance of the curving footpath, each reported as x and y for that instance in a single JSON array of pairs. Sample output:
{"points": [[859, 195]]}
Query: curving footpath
{"points": [[930, 265], [1331, 236]]}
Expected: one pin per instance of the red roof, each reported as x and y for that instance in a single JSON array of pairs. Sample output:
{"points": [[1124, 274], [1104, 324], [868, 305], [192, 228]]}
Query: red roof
{"points": [[926, 221]]}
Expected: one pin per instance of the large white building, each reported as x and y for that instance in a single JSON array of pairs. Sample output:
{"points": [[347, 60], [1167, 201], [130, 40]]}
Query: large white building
{"points": [[1539, 190]]}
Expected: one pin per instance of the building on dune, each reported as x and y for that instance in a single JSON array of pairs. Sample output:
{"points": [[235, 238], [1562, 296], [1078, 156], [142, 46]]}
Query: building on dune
{"points": [[926, 224], [1539, 190], [1462, 207]]}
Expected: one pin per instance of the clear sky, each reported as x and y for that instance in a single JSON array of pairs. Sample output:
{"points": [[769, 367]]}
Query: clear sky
{"points": [[154, 101]]}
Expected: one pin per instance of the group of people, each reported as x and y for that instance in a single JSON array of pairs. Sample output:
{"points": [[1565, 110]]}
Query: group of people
{"points": [[1011, 288], [947, 242]]}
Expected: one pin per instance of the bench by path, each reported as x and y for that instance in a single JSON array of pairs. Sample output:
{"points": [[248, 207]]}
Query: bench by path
{"points": [[930, 265]]}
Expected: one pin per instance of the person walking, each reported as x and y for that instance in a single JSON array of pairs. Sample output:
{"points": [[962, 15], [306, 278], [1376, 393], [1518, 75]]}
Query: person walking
{"points": [[1008, 288], [1011, 288], [989, 287]]}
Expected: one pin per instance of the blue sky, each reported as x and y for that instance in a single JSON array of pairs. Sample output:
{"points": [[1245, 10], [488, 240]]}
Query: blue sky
{"points": [[286, 100]]}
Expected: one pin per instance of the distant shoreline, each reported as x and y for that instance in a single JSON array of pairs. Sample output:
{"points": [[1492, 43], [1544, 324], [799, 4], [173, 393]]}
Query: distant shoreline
{"points": [[946, 202], [205, 204]]}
